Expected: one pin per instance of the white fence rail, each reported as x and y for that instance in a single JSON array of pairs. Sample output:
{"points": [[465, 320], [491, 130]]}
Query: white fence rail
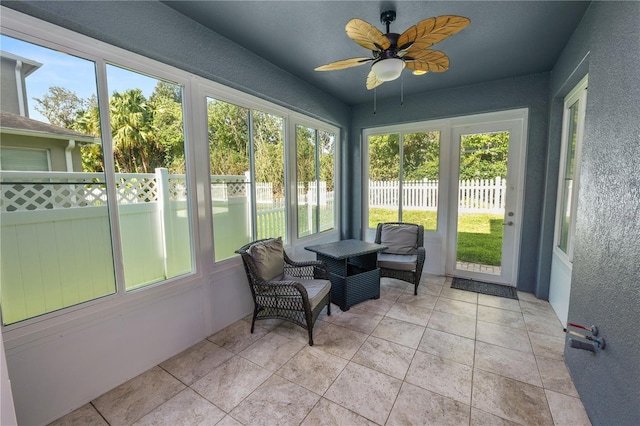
{"points": [[473, 195]]}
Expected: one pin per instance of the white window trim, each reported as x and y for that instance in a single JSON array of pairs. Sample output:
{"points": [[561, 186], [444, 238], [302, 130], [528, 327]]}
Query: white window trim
{"points": [[577, 94], [36, 31]]}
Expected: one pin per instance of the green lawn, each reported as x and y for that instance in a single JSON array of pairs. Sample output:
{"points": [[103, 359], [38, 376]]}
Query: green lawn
{"points": [[479, 234]]}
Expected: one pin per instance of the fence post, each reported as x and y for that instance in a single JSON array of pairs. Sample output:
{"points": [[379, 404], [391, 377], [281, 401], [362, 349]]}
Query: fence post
{"points": [[166, 222]]}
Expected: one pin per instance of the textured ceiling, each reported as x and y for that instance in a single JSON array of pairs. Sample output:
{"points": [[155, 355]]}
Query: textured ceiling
{"points": [[505, 38]]}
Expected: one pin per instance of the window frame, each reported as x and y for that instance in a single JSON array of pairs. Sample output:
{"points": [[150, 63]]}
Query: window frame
{"points": [[577, 95]]}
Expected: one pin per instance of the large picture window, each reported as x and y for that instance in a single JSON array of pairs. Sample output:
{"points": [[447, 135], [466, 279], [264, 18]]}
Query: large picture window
{"points": [[315, 164], [58, 240], [407, 190]]}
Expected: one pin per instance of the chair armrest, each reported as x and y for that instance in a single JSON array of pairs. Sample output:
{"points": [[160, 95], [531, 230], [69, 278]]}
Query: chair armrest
{"points": [[312, 269]]}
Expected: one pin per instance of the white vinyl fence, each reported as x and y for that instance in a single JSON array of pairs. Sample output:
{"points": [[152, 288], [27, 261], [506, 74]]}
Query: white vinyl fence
{"points": [[479, 195]]}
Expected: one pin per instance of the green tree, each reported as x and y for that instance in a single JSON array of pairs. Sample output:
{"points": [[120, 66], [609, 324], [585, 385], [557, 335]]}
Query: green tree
{"points": [[60, 106], [167, 127], [384, 157], [269, 150], [484, 155], [228, 132]]}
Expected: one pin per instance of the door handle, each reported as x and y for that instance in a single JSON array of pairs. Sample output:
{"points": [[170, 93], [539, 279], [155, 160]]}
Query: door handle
{"points": [[508, 224]]}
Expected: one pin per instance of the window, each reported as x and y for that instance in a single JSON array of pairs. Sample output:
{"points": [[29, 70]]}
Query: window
{"points": [[407, 190], [315, 171], [24, 159], [103, 157], [247, 179], [56, 234], [573, 125], [59, 204]]}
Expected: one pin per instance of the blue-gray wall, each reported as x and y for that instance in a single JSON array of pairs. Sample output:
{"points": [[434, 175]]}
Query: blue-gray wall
{"points": [[529, 91], [605, 289]]}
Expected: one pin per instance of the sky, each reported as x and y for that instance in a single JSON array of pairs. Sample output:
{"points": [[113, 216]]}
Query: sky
{"points": [[72, 73]]}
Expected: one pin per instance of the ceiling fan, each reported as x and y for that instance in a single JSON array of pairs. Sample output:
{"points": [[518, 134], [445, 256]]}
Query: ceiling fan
{"points": [[393, 52]]}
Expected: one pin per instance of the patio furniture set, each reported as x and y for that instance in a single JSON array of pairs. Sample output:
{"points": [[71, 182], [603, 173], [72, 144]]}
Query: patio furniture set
{"points": [[345, 273]]}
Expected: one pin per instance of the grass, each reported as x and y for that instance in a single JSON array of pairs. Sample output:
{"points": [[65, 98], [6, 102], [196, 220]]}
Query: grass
{"points": [[479, 234]]}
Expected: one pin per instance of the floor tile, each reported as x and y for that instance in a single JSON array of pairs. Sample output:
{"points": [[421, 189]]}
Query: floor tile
{"points": [[510, 399], [446, 345], [567, 410], [384, 356], [461, 295], [410, 313], [313, 369], [454, 324], [415, 406], [186, 408], [394, 283], [507, 362], [237, 337], [365, 391], [548, 325], [501, 317], [456, 307], [339, 341], [499, 302], [433, 279], [400, 332], [481, 418], [555, 376], [135, 398], [194, 363], [500, 335], [547, 346], [327, 413], [421, 300], [295, 332], [228, 421], [272, 351], [429, 289], [537, 308], [442, 376], [364, 322], [276, 402], [375, 306], [390, 293], [86, 415], [228, 384]]}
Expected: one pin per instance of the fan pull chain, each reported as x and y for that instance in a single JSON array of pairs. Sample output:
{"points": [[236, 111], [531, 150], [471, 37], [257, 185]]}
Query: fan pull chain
{"points": [[375, 91], [401, 90]]}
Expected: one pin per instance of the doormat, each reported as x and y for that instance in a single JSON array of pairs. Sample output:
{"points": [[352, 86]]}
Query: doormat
{"points": [[485, 288]]}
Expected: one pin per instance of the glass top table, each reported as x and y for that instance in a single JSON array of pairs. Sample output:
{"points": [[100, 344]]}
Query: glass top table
{"points": [[355, 276]]}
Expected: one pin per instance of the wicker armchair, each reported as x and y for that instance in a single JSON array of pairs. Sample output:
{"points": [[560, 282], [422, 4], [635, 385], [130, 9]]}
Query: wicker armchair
{"points": [[284, 289], [405, 255]]}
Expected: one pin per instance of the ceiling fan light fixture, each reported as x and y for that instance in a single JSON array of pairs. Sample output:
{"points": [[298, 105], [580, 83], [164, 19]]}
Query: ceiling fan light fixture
{"points": [[419, 72], [388, 69]]}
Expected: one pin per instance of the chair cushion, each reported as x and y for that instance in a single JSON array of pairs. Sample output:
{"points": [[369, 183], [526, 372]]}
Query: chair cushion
{"points": [[316, 290], [268, 257], [401, 262], [400, 239]]}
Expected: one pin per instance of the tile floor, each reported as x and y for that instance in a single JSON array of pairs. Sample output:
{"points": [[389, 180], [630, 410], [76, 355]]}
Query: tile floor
{"points": [[444, 357]]}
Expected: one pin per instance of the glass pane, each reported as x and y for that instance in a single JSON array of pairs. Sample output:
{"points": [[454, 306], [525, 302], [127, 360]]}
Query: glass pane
{"points": [[306, 180], [56, 238], [228, 129], [567, 187], [481, 201], [327, 179], [148, 153], [421, 165], [384, 179], [268, 146]]}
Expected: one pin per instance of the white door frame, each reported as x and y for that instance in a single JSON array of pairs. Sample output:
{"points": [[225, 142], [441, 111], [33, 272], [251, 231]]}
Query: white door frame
{"points": [[516, 123]]}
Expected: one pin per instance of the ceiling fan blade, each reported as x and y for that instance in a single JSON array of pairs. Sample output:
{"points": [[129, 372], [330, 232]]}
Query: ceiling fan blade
{"points": [[431, 31], [345, 63], [366, 35], [373, 81], [427, 60]]}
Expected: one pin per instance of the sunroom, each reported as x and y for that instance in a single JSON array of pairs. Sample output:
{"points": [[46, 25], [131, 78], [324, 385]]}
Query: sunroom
{"points": [[194, 142]]}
